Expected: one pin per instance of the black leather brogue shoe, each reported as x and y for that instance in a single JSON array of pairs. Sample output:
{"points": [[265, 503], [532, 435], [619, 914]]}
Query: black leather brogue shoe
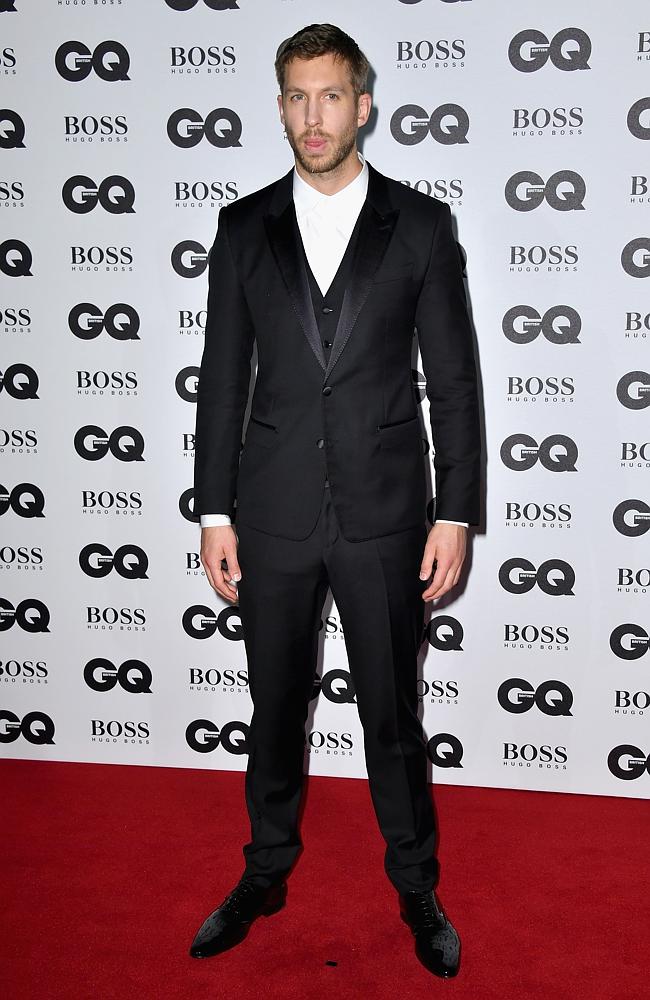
{"points": [[230, 922], [437, 944]]}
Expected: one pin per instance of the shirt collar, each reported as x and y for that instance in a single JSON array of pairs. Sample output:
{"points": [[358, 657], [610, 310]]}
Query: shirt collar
{"points": [[307, 198]]}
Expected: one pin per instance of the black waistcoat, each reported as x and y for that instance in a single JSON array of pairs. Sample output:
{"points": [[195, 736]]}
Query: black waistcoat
{"points": [[327, 308]]}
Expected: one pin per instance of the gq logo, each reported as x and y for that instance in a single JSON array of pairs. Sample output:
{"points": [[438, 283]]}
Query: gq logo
{"points": [[36, 727], [629, 642], [640, 519], [183, 5], [554, 577], [115, 194], [633, 390], [627, 762], [15, 259], [186, 383], [110, 61], [639, 108], [556, 453], [19, 381], [517, 695], [336, 685], [186, 506], [203, 736], [635, 257], [445, 750], [25, 499], [13, 129], [125, 443], [200, 622], [564, 191], [523, 325], [444, 633], [129, 561], [222, 128], [30, 614], [530, 50], [189, 259], [411, 124], [120, 321], [133, 676]]}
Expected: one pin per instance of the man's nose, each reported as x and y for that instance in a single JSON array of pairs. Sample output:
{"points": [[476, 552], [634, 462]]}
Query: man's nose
{"points": [[313, 116]]}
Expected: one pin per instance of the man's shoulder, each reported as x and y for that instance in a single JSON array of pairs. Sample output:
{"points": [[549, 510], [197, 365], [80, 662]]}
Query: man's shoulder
{"points": [[253, 205]]}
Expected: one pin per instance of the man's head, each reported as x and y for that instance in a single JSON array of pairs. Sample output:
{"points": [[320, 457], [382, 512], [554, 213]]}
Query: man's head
{"points": [[323, 101]]}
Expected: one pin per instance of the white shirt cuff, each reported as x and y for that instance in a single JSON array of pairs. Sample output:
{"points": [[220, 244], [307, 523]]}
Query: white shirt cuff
{"points": [[443, 520], [214, 520]]}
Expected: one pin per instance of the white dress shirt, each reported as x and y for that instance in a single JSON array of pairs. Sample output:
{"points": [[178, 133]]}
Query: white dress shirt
{"points": [[326, 222]]}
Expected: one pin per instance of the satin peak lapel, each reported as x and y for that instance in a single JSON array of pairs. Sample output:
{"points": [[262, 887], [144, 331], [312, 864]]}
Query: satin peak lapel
{"points": [[375, 233], [281, 232]]}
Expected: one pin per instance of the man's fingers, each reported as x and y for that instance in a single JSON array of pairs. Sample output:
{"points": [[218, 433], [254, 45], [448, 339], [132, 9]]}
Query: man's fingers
{"points": [[443, 581]]}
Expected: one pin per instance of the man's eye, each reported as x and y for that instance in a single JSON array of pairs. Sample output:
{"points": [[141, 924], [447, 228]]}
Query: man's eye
{"points": [[296, 97], [335, 96]]}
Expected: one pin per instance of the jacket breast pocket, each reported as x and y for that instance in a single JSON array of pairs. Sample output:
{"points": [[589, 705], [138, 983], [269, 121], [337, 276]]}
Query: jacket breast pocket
{"points": [[400, 434], [261, 433], [384, 274]]}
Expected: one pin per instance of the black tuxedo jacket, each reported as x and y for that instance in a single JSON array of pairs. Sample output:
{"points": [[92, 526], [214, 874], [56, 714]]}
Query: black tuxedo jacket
{"points": [[355, 417]]}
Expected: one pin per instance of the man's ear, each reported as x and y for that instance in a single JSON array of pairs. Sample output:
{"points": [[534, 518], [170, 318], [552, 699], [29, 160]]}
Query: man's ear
{"points": [[364, 104]]}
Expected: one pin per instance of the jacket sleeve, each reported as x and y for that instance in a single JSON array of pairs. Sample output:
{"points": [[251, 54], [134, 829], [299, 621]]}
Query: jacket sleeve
{"points": [[224, 380], [447, 351]]}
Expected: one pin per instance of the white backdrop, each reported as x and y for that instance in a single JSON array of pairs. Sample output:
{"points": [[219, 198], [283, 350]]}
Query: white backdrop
{"points": [[125, 126]]}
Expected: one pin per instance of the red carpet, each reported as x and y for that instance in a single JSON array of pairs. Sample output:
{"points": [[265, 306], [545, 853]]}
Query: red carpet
{"points": [[107, 871]]}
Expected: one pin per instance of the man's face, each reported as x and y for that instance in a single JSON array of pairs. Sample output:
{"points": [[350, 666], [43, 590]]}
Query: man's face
{"points": [[321, 113]]}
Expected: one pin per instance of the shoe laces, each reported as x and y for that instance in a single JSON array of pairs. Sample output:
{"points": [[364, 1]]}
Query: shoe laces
{"points": [[240, 893], [424, 907]]}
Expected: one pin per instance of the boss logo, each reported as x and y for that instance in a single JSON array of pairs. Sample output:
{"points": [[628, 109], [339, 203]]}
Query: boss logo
{"points": [[18, 439], [97, 382], [125, 443], [633, 454], [19, 381], [198, 192], [15, 259], [89, 126], [568, 50], [628, 762], [222, 127], [133, 676], [564, 191], [637, 580], [189, 259], [629, 642], [35, 727], [628, 703], [554, 577], [212, 678], [517, 695], [632, 518], [559, 325], [200, 622], [531, 513], [445, 750], [332, 744], [30, 614], [27, 671], [107, 500], [13, 129], [115, 194], [527, 636], [21, 555], [444, 633], [120, 321], [527, 754], [129, 561], [25, 500], [555, 119], [423, 51], [633, 390], [128, 619], [196, 57], [109, 60], [114, 730], [438, 690], [336, 685], [91, 258], [204, 736], [555, 258], [448, 124], [556, 453]]}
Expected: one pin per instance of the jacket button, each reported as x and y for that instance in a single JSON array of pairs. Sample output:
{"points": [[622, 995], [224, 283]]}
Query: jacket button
{"points": [[327, 310], [327, 343], [327, 390], [320, 443]]}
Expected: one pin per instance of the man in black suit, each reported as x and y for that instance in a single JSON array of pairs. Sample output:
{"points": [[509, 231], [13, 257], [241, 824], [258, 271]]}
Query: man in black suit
{"points": [[330, 270]]}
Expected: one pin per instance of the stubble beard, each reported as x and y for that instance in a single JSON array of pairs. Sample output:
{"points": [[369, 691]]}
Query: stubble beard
{"points": [[316, 163]]}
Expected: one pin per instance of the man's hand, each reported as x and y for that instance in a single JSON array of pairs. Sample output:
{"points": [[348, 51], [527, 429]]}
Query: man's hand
{"points": [[217, 544], [446, 545]]}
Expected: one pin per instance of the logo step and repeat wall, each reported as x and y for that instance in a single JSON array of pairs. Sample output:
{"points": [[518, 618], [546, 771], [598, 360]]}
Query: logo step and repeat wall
{"points": [[125, 127]]}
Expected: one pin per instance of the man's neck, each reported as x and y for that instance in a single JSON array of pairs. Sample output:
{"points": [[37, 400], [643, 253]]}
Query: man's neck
{"points": [[334, 180]]}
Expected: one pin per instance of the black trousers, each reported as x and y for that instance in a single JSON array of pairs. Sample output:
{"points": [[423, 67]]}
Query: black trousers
{"points": [[377, 590]]}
